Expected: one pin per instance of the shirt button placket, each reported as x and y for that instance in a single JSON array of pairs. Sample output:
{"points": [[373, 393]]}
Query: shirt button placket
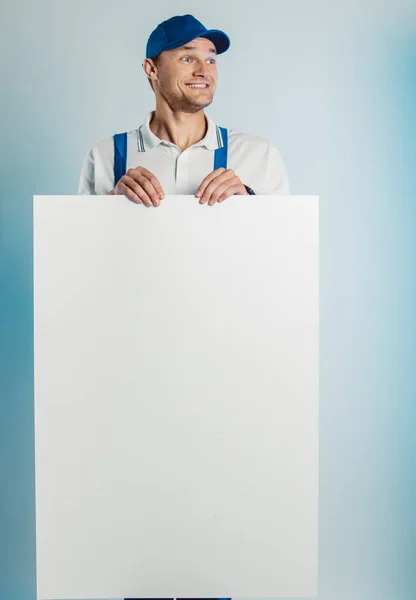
{"points": [[182, 168]]}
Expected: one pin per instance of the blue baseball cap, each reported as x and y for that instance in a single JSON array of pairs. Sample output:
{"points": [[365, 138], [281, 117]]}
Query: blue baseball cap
{"points": [[177, 31]]}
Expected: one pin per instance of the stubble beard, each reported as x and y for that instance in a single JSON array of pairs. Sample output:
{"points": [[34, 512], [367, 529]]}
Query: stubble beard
{"points": [[186, 105]]}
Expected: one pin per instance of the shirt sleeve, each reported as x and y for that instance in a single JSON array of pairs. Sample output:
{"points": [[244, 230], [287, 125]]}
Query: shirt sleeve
{"points": [[87, 179], [274, 180], [278, 180], [258, 163]]}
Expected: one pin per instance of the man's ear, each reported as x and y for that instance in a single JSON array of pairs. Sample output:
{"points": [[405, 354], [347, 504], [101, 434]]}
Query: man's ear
{"points": [[150, 67]]}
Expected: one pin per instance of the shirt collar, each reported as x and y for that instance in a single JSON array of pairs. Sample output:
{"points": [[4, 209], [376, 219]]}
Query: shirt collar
{"points": [[146, 139]]}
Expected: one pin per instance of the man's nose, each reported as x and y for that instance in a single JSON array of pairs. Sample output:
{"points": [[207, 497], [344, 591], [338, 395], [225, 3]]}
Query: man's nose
{"points": [[201, 68]]}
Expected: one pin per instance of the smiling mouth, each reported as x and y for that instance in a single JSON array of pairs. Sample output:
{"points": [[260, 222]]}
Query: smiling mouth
{"points": [[198, 86]]}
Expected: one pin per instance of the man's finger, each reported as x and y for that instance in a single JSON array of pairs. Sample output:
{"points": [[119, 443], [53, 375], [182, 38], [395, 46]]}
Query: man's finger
{"points": [[225, 189], [150, 190], [142, 188], [218, 192], [208, 180], [150, 177], [232, 182], [124, 190], [233, 189], [136, 189], [225, 178]]}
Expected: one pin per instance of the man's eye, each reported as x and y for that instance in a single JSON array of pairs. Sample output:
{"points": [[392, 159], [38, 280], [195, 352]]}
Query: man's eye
{"points": [[186, 58], [212, 61]]}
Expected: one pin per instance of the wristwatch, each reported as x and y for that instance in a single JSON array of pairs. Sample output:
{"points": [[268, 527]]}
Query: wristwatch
{"points": [[249, 190]]}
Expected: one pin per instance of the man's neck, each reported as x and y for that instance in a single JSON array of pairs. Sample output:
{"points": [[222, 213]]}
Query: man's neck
{"points": [[179, 128]]}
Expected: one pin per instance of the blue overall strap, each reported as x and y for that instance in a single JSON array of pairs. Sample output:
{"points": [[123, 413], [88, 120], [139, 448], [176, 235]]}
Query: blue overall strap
{"points": [[221, 154], [120, 156]]}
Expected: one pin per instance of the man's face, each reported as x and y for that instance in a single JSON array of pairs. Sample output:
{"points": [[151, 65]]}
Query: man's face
{"points": [[187, 75]]}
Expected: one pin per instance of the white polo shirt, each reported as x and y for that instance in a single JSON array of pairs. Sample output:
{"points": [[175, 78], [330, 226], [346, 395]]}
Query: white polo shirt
{"points": [[254, 159]]}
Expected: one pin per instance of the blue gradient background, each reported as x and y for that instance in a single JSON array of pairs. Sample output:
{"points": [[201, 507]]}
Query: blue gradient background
{"points": [[335, 88]]}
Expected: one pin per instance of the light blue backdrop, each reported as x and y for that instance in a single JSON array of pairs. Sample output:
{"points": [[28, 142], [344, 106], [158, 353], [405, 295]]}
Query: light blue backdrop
{"points": [[333, 86]]}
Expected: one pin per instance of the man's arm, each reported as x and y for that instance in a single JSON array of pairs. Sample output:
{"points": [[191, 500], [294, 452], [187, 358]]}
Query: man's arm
{"points": [[274, 180], [87, 179], [97, 178], [259, 165], [280, 181]]}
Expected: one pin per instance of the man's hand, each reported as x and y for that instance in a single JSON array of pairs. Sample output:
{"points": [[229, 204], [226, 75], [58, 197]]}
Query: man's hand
{"points": [[140, 186], [220, 185]]}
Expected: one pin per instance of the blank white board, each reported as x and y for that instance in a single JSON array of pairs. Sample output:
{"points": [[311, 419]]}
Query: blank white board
{"points": [[176, 397]]}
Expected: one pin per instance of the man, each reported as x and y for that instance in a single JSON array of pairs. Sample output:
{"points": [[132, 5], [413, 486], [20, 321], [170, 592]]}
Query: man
{"points": [[179, 150]]}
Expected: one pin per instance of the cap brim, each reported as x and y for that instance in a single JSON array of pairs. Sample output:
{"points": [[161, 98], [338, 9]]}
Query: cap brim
{"points": [[220, 39]]}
